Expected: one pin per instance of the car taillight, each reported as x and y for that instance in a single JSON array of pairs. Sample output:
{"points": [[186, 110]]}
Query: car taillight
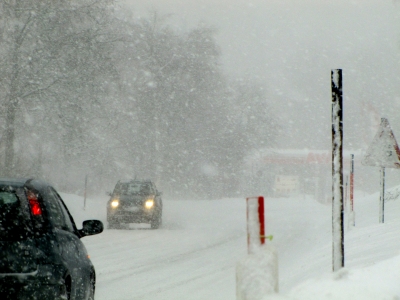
{"points": [[34, 203]]}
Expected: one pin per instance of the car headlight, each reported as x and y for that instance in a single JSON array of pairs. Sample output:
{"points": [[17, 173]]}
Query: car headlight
{"points": [[114, 203], [149, 203]]}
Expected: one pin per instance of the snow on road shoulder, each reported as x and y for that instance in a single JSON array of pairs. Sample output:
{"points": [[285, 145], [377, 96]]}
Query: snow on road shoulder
{"points": [[372, 259], [376, 282]]}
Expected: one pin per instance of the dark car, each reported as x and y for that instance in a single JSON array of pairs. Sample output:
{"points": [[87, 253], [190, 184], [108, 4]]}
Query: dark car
{"points": [[135, 201], [41, 254]]}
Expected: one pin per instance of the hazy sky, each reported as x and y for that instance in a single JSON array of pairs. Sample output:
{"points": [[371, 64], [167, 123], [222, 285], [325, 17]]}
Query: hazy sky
{"points": [[260, 34], [291, 45]]}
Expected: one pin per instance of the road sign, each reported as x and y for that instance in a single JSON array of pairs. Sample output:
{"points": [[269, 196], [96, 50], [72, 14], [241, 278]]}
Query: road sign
{"points": [[286, 185], [383, 151]]}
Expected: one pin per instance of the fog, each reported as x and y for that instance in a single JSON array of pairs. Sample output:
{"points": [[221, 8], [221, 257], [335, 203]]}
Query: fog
{"points": [[290, 47], [193, 94]]}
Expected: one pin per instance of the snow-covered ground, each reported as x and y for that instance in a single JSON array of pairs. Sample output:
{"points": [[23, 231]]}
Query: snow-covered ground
{"points": [[194, 254]]}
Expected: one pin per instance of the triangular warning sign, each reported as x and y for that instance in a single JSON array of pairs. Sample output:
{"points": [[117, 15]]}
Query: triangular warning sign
{"points": [[383, 151]]}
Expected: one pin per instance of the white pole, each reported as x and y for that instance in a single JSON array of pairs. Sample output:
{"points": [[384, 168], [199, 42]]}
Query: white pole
{"points": [[382, 197]]}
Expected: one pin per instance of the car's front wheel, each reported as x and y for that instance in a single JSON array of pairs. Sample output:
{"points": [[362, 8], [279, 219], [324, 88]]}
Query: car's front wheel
{"points": [[92, 287], [113, 225], [66, 289], [155, 223]]}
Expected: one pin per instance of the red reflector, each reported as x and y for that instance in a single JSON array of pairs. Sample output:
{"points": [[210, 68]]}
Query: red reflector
{"points": [[34, 203]]}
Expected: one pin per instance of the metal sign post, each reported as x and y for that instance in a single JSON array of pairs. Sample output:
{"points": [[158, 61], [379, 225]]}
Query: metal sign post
{"points": [[382, 197]]}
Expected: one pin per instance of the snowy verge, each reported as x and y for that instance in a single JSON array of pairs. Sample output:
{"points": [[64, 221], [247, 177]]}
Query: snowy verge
{"points": [[377, 282], [257, 274]]}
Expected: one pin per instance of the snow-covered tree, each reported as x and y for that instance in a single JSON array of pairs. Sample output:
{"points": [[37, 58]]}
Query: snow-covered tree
{"points": [[55, 56], [87, 90]]}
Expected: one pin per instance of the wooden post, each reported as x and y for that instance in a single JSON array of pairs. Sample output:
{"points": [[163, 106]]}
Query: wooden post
{"points": [[337, 171]]}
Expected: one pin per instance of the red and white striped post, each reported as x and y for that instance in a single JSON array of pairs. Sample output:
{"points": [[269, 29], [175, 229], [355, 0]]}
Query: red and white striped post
{"points": [[257, 274], [255, 223]]}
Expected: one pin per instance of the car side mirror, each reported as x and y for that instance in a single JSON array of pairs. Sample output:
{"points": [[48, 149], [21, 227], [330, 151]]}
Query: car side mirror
{"points": [[108, 194], [159, 193], [91, 227]]}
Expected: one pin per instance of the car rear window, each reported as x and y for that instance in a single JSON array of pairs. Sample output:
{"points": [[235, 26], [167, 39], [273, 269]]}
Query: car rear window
{"points": [[8, 198], [15, 222]]}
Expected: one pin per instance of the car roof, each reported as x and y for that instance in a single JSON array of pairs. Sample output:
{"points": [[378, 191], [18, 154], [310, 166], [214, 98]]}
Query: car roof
{"points": [[137, 180], [21, 182], [13, 181]]}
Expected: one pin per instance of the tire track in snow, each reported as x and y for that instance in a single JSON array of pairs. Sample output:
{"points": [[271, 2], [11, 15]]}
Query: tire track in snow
{"points": [[149, 295], [203, 267], [163, 261]]}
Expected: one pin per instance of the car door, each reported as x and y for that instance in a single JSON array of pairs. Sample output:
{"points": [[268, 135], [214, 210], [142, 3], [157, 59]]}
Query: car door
{"points": [[16, 235], [72, 250]]}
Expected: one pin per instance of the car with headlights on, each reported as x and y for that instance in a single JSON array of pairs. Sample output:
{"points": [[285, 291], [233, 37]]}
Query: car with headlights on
{"points": [[134, 201], [41, 252]]}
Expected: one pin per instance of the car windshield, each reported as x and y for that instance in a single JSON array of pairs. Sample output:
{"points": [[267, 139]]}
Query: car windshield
{"points": [[134, 188], [14, 219]]}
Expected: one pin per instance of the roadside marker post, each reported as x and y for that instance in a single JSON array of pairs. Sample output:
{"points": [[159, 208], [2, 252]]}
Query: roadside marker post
{"points": [[84, 193], [255, 223], [257, 274], [352, 213], [346, 202]]}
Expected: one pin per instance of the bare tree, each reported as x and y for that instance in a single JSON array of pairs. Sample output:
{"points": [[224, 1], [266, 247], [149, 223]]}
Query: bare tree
{"points": [[55, 56]]}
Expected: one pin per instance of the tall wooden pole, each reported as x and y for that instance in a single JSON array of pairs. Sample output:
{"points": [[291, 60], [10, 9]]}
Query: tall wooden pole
{"points": [[337, 171]]}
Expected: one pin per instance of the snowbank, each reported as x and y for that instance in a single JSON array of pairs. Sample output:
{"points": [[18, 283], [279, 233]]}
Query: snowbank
{"points": [[376, 282]]}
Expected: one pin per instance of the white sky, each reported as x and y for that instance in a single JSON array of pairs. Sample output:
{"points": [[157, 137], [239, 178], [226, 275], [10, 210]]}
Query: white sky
{"points": [[258, 34], [291, 46]]}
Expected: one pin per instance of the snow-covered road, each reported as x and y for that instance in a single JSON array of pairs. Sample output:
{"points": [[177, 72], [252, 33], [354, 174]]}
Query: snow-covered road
{"points": [[193, 255], [195, 252]]}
